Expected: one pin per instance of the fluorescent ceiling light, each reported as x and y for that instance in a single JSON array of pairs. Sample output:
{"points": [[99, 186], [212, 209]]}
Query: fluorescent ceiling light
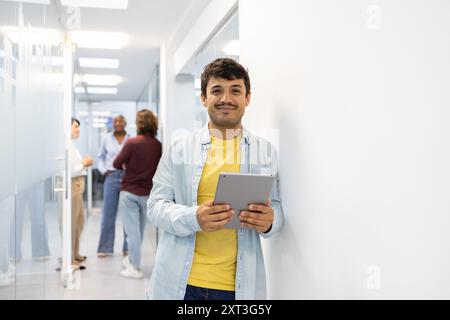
{"points": [[233, 48], [105, 4], [32, 1], [98, 40], [100, 90], [100, 120], [34, 35], [102, 113], [98, 80], [99, 63], [96, 90]]}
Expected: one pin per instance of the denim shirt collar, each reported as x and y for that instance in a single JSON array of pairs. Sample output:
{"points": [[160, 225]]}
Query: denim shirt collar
{"points": [[205, 135]]}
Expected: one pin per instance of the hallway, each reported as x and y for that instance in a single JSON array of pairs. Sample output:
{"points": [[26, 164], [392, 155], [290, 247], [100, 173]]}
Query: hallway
{"points": [[101, 278], [352, 96]]}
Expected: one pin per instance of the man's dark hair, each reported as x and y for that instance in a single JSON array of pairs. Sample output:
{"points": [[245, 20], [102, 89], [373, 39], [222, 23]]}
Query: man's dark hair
{"points": [[75, 120], [146, 123], [225, 68]]}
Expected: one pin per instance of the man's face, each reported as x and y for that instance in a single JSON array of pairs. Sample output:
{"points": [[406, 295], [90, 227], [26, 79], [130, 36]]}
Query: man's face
{"points": [[226, 101], [119, 124]]}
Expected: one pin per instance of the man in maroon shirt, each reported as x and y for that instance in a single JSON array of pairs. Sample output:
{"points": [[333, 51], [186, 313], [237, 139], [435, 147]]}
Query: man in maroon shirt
{"points": [[139, 158]]}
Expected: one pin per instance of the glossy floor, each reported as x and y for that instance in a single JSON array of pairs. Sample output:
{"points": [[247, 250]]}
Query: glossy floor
{"points": [[38, 279]]}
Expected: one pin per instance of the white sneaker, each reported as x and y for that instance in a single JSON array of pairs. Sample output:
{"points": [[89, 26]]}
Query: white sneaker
{"points": [[4, 280], [132, 272], [125, 262]]}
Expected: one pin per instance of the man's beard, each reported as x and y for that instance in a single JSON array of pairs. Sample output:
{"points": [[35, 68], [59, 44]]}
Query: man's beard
{"points": [[220, 122]]}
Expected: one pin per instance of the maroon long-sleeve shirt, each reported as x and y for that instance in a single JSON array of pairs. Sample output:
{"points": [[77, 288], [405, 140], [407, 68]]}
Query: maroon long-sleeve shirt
{"points": [[140, 155]]}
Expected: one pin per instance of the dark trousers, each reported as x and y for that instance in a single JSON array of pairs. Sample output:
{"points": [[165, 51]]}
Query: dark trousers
{"points": [[197, 293]]}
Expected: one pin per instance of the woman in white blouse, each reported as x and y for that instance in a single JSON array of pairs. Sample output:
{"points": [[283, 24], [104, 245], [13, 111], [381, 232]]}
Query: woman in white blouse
{"points": [[78, 172]]}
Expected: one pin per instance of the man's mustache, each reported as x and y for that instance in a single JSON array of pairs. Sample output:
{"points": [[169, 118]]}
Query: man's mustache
{"points": [[225, 106]]}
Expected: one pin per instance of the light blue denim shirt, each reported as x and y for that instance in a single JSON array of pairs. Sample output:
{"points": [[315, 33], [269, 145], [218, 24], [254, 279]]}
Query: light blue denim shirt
{"points": [[109, 150], [172, 208]]}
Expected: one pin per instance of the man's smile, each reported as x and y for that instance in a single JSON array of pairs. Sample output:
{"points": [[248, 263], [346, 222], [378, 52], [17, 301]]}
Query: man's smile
{"points": [[226, 108]]}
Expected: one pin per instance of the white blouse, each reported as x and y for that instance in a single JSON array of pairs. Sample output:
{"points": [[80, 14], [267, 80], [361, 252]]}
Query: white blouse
{"points": [[77, 168]]}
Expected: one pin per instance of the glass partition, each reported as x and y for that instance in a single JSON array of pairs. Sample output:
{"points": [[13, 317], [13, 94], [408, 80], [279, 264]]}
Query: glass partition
{"points": [[33, 151]]}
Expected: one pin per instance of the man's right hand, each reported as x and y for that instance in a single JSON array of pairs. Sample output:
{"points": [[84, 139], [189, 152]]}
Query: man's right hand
{"points": [[213, 218]]}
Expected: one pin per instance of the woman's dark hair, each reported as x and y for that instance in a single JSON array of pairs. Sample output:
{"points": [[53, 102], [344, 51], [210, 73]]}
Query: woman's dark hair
{"points": [[224, 68], [75, 120], [146, 123]]}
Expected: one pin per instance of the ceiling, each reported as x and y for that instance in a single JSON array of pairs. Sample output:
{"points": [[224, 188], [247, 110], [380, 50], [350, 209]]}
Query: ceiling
{"points": [[146, 22]]}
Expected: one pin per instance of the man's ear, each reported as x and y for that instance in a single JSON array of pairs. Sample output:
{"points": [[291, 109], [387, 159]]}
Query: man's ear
{"points": [[248, 98], [203, 100]]}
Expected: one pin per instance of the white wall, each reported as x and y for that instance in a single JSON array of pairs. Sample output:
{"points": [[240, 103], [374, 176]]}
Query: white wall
{"points": [[360, 94]]}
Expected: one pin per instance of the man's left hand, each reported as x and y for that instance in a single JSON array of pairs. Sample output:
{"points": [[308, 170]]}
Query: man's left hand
{"points": [[260, 217]]}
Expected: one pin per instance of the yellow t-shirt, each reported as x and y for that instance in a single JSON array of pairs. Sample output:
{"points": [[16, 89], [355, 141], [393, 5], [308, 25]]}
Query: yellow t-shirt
{"points": [[214, 263]]}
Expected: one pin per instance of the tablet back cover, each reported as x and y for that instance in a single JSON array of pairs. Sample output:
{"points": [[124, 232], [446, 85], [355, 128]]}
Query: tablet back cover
{"points": [[241, 189]]}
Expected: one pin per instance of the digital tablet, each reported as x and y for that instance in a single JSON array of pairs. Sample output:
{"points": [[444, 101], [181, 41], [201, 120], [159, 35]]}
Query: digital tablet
{"points": [[241, 189]]}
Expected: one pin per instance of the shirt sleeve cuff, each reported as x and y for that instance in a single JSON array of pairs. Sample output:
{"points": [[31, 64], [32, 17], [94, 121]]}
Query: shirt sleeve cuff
{"points": [[192, 219]]}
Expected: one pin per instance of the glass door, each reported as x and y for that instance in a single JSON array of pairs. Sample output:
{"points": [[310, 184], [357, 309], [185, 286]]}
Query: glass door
{"points": [[33, 166]]}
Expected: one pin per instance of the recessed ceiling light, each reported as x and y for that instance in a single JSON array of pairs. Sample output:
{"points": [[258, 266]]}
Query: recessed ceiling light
{"points": [[100, 90], [102, 113], [100, 120], [98, 40], [96, 90], [105, 4], [99, 63], [98, 80], [98, 125]]}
